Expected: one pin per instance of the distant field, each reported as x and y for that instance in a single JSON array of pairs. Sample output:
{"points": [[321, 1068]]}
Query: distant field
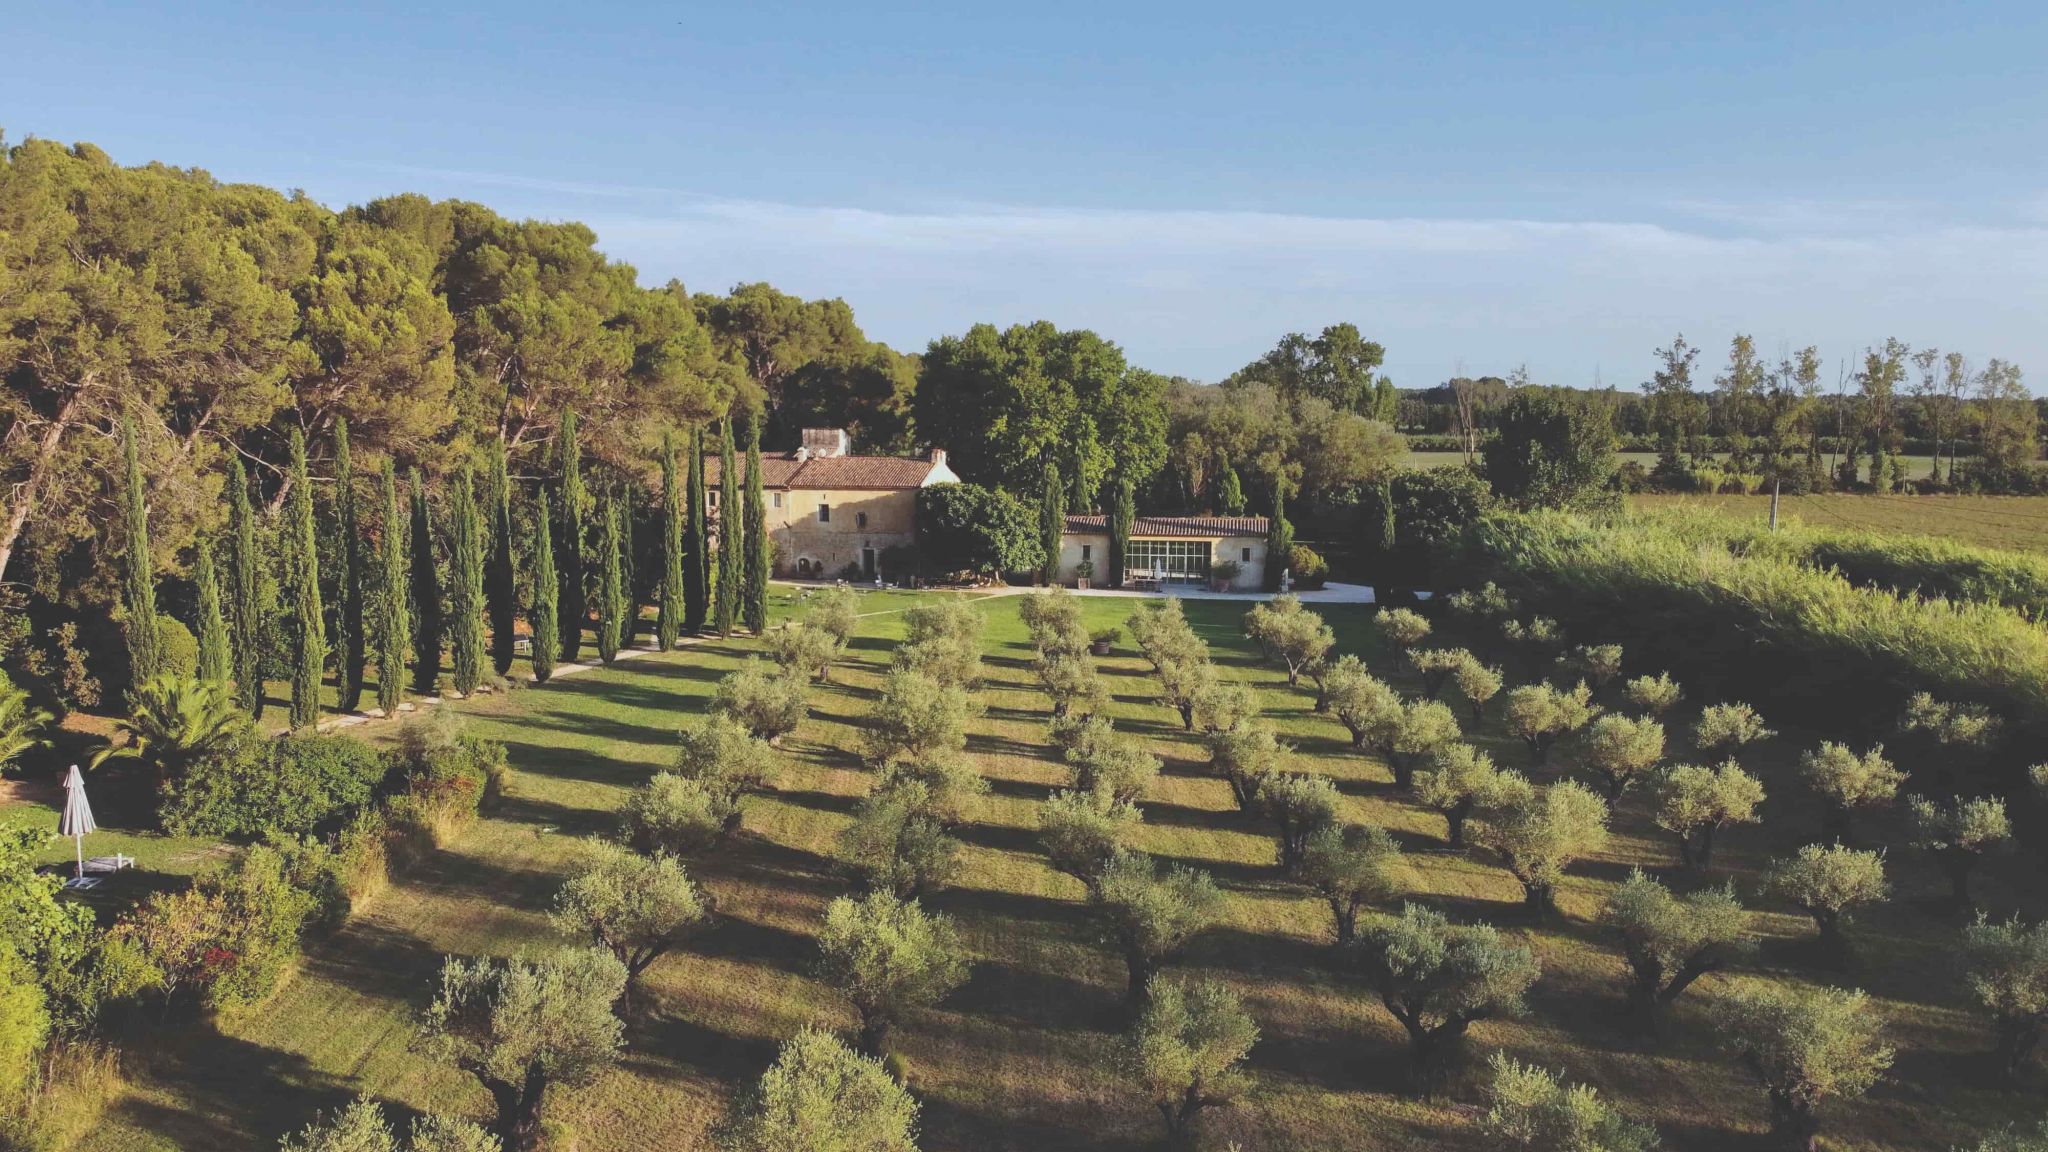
{"points": [[1916, 466], [1993, 521]]}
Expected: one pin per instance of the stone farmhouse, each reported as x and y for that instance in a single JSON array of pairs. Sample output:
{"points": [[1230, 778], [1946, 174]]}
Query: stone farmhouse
{"points": [[829, 511]]}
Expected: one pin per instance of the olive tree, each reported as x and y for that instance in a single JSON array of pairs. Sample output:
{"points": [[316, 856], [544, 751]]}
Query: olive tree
{"points": [[1653, 695], [1113, 762], [1186, 1052], [1350, 868], [2014, 1140], [916, 717], [1289, 634], [1479, 684], [1184, 682], [1401, 627], [803, 650], [1532, 1108], [726, 760], [1671, 941], [1363, 703], [834, 611], [1163, 635], [1436, 666], [942, 639], [821, 1096], [638, 907], [1960, 833], [361, 1127], [1828, 882], [1083, 830], [1806, 1047], [1954, 725], [1621, 750], [2005, 965], [524, 1026], [1598, 664], [769, 704], [1438, 979], [951, 783], [1693, 803], [1540, 832], [1846, 782], [1070, 681], [1148, 914], [888, 957], [1728, 728], [1541, 714], [1243, 757], [1427, 727], [897, 842], [1300, 804], [1221, 703], [1053, 618], [1460, 779]]}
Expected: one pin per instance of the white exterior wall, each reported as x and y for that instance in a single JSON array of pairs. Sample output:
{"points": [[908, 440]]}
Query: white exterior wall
{"points": [[1221, 548]]}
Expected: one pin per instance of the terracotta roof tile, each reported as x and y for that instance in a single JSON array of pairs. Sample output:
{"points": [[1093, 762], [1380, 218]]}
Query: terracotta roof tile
{"points": [[1175, 525]]}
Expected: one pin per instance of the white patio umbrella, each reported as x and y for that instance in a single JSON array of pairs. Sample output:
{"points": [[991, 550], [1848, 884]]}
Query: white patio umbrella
{"points": [[77, 818]]}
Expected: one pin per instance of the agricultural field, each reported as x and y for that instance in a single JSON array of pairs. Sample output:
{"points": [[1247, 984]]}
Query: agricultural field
{"points": [[1021, 1056], [1917, 467], [1991, 521]]}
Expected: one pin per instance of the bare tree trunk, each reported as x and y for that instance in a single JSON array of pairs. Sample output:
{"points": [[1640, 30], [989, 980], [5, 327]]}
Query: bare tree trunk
{"points": [[38, 473]]}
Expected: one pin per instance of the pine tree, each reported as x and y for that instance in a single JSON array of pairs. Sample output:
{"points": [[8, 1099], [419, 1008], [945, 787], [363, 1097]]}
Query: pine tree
{"points": [[216, 659], [500, 581], [696, 558], [245, 591], [426, 596], [349, 682], [542, 621], [394, 624], [1122, 515], [1279, 537], [138, 590], [302, 562], [1052, 524], [466, 587], [569, 540], [609, 595], [760, 554], [670, 626], [732, 534]]}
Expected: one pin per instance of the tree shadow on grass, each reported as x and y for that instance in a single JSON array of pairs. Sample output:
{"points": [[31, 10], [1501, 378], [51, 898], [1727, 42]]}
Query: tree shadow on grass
{"points": [[1163, 814], [998, 837], [947, 1124], [989, 905], [562, 818], [819, 801], [682, 670], [1013, 995], [235, 1094], [1233, 875], [1022, 789], [378, 960], [766, 945], [1004, 745], [730, 1058]]}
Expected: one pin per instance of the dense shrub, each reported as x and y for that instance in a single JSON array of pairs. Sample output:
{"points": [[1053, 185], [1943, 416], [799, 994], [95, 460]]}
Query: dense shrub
{"points": [[968, 528], [294, 784], [1307, 568]]}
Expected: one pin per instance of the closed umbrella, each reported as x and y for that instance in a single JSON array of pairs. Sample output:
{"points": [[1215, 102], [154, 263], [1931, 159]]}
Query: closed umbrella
{"points": [[77, 818]]}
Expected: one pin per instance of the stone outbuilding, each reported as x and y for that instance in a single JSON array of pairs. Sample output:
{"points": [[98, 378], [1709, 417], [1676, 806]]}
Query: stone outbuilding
{"points": [[1168, 550], [830, 512]]}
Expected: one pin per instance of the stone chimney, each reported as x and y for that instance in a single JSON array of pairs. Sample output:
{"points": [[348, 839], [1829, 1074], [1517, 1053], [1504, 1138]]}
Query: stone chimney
{"points": [[825, 441], [938, 457]]}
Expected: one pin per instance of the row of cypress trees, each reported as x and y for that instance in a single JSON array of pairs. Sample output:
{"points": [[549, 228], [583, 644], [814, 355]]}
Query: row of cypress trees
{"points": [[422, 619]]}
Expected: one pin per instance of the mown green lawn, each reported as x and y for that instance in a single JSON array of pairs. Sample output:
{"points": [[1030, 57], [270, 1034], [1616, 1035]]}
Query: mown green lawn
{"points": [[1018, 1058]]}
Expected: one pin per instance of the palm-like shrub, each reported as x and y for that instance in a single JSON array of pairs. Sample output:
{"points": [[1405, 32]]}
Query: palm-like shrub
{"points": [[176, 722], [21, 724]]}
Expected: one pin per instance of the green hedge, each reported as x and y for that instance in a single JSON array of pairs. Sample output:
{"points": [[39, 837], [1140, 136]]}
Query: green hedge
{"points": [[1760, 623]]}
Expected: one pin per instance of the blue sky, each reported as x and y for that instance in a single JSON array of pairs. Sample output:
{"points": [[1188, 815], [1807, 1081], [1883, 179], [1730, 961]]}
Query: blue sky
{"points": [[1475, 185]]}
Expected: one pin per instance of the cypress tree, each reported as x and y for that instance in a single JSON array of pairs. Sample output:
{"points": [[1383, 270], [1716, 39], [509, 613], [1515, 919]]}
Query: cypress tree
{"points": [[1385, 531], [760, 552], [629, 565], [1052, 524], [426, 596], [394, 625], [138, 589], [695, 558], [732, 534], [1279, 536], [1233, 493], [670, 626], [546, 628], [500, 582], [216, 660], [349, 682], [302, 561], [1122, 515], [569, 540], [245, 591], [609, 595], [466, 587]]}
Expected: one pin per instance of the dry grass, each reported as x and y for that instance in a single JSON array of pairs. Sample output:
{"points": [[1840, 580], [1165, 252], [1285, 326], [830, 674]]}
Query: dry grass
{"points": [[1992, 521], [1016, 1058]]}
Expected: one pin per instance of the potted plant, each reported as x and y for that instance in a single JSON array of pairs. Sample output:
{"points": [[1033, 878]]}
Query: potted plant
{"points": [[1100, 642], [1083, 573], [1223, 575]]}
